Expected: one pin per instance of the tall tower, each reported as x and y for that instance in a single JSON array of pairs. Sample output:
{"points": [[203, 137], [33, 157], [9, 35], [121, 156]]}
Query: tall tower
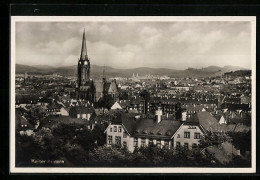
{"points": [[83, 64]]}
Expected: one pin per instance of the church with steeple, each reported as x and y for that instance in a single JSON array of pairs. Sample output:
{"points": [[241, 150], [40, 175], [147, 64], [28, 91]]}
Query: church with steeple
{"points": [[86, 88]]}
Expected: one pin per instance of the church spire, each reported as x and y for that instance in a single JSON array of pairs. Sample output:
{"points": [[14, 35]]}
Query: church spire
{"points": [[83, 54]]}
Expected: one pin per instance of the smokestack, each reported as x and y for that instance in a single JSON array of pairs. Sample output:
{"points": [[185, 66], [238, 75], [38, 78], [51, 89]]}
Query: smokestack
{"points": [[158, 113]]}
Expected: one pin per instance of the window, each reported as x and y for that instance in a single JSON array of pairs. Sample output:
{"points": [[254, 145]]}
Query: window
{"points": [[196, 135], [124, 135], [187, 135], [166, 144], [119, 129], [194, 145], [142, 142], [158, 143], [118, 140], [124, 144], [111, 130], [186, 145], [178, 144], [115, 129], [150, 142], [135, 142], [178, 136], [109, 138]]}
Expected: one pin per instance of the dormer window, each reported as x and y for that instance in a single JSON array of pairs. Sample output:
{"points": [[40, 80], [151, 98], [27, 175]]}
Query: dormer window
{"points": [[115, 129]]}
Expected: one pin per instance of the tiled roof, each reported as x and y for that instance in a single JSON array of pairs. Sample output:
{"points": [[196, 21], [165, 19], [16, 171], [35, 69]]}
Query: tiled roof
{"points": [[84, 109], [194, 108], [99, 87], [124, 103], [150, 128], [107, 85], [234, 107], [223, 154], [129, 123], [206, 120], [21, 120]]}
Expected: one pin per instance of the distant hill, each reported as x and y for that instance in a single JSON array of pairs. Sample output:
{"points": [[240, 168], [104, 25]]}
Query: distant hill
{"points": [[97, 71]]}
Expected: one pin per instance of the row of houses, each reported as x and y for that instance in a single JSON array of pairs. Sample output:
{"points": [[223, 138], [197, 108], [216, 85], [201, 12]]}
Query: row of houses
{"points": [[132, 132]]}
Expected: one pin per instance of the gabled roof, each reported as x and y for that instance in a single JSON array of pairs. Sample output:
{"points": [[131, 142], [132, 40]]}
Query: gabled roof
{"points": [[99, 87], [194, 108], [223, 154], [206, 120], [137, 100], [84, 109], [124, 103], [129, 123], [21, 120], [53, 106], [150, 128], [234, 107], [106, 86]]}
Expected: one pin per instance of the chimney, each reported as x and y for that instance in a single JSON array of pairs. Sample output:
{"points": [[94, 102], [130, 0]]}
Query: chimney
{"points": [[183, 115], [238, 152], [158, 113]]}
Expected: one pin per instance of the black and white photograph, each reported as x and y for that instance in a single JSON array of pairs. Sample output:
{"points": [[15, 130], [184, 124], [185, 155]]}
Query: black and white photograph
{"points": [[100, 94]]}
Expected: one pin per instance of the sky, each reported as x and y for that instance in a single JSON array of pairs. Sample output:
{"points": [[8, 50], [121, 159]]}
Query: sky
{"points": [[174, 45]]}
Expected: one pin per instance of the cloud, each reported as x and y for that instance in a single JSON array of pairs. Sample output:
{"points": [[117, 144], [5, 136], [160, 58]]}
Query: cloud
{"points": [[176, 45]]}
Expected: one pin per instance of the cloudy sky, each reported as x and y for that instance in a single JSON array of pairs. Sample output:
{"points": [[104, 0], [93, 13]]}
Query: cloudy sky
{"points": [[175, 45]]}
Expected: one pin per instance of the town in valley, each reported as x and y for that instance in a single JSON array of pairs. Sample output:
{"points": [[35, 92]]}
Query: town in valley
{"points": [[132, 118]]}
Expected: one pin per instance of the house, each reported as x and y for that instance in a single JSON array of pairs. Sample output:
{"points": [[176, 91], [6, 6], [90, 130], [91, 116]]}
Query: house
{"points": [[53, 109], [223, 153], [122, 104], [192, 109], [135, 132], [64, 111], [193, 128], [82, 112], [23, 127]]}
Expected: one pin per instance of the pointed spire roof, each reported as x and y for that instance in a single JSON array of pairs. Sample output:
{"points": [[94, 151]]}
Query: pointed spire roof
{"points": [[83, 54]]}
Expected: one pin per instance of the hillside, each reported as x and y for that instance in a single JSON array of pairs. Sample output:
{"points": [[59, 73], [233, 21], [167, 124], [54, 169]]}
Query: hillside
{"points": [[97, 71]]}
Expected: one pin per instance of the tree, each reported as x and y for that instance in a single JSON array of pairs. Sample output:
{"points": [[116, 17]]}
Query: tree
{"points": [[123, 95], [26, 149], [241, 140]]}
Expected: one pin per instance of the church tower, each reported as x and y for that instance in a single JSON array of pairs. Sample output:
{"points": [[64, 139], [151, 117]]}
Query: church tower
{"points": [[83, 64]]}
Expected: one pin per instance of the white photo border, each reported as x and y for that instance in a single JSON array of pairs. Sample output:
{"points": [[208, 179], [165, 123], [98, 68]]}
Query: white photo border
{"points": [[163, 170]]}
